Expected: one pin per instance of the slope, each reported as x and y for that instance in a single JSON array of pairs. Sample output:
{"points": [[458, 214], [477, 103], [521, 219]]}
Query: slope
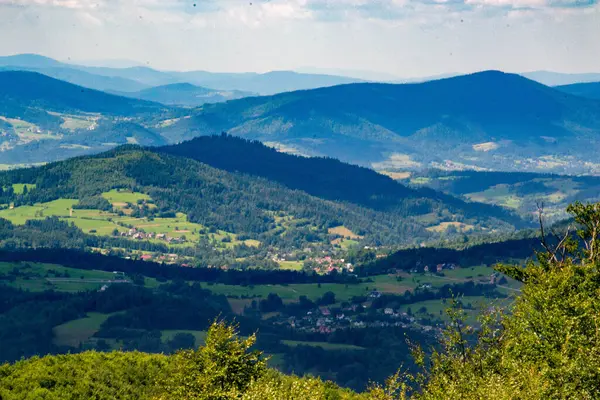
{"points": [[590, 90], [324, 177], [29, 90], [44, 119], [252, 206], [185, 94], [413, 125]]}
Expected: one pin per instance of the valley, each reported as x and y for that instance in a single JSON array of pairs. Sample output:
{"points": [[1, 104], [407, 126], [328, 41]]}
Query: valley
{"points": [[344, 221]]}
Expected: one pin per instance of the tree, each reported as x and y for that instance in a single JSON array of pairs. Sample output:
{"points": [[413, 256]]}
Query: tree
{"points": [[223, 369], [545, 347]]}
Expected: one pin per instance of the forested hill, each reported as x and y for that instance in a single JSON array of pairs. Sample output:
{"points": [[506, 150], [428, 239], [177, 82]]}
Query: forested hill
{"points": [[21, 90], [250, 206], [487, 120], [590, 90], [323, 177]]}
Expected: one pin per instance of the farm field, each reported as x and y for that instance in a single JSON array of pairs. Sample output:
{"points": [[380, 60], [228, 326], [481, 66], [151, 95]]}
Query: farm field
{"points": [[291, 265], [104, 223], [38, 277], [324, 345], [436, 309], [76, 332]]}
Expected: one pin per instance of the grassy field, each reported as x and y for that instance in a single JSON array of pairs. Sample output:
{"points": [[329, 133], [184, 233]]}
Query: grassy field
{"points": [[38, 277], [313, 291], [121, 197], [324, 345], [19, 187], [104, 223], [443, 227], [291, 265], [344, 232], [78, 331]]}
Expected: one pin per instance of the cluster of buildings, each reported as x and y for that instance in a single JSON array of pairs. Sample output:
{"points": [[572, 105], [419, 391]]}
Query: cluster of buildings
{"points": [[139, 234], [435, 268], [328, 264], [326, 320]]}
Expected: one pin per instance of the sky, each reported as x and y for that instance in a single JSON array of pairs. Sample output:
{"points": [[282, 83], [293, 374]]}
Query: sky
{"points": [[402, 38]]}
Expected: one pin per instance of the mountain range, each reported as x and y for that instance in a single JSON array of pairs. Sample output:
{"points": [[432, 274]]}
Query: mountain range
{"points": [[487, 120], [484, 121], [137, 78]]}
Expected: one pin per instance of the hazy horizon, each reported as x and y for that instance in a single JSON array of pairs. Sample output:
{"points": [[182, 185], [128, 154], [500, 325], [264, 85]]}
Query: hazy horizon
{"points": [[395, 38]]}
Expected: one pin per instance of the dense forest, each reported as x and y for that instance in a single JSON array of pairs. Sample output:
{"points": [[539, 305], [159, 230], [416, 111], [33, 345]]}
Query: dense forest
{"points": [[371, 205]]}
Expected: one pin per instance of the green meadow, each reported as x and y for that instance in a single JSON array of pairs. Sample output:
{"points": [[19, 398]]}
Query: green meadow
{"points": [[104, 222]]}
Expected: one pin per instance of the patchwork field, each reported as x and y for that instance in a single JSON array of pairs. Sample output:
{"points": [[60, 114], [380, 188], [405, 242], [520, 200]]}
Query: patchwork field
{"points": [[105, 223]]}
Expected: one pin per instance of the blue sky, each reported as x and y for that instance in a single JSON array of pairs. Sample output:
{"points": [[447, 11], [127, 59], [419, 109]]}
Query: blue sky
{"points": [[400, 37]]}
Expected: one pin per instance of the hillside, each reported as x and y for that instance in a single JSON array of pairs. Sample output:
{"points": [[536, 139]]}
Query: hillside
{"points": [[521, 192], [286, 208], [44, 119], [21, 90], [589, 90], [541, 344], [485, 120], [185, 94], [322, 177]]}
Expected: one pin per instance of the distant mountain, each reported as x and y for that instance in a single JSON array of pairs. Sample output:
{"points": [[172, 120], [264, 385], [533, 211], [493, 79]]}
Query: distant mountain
{"points": [[44, 119], [590, 90], [30, 90], [484, 120], [264, 84], [267, 83], [29, 61], [85, 79], [557, 78], [185, 94]]}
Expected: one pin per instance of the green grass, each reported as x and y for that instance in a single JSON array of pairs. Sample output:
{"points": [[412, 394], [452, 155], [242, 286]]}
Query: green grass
{"points": [[104, 223], [76, 332], [324, 345], [18, 187], [124, 196], [291, 265], [292, 292], [36, 277]]}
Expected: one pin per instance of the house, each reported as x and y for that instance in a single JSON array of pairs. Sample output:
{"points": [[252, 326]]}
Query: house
{"points": [[426, 268], [388, 311], [375, 294], [325, 311], [146, 257], [439, 267]]}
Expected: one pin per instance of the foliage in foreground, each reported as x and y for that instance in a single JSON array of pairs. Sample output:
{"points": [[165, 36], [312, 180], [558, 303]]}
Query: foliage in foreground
{"points": [[548, 347], [223, 369]]}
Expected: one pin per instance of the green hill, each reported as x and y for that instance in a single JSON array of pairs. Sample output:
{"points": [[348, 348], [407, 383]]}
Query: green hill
{"points": [[290, 210], [484, 120]]}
